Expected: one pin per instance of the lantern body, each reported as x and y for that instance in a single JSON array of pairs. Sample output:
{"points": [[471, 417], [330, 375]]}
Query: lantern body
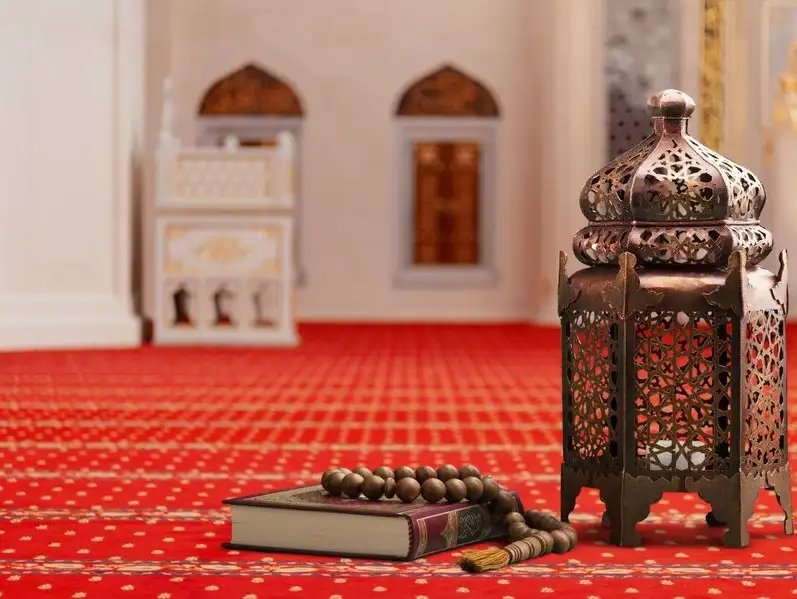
{"points": [[673, 339]]}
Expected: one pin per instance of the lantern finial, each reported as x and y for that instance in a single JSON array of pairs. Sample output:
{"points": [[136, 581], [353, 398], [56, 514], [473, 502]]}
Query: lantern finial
{"points": [[672, 104]]}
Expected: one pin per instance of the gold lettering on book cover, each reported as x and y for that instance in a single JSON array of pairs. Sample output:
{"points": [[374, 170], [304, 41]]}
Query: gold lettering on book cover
{"points": [[474, 524]]}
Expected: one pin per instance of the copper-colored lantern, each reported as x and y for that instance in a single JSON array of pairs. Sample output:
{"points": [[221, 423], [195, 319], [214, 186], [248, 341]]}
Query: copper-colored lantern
{"points": [[673, 339]]}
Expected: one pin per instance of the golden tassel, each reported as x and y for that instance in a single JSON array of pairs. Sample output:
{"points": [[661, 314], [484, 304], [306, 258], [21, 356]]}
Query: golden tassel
{"points": [[548, 535], [485, 560]]}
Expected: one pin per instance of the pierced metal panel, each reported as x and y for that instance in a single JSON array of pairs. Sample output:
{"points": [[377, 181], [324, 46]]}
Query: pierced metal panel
{"points": [[676, 185], [590, 371], [746, 197], [755, 240], [682, 403], [666, 245], [678, 199], [607, 195], [764, 402], [601, 245]]}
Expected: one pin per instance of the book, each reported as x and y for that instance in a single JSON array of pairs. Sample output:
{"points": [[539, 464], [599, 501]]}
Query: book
{"points": [[309, 520]]}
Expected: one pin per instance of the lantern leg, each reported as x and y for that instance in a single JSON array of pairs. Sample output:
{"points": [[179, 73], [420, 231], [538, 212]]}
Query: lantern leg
{"points": [[572, 482], [780, 481], [628, 500], [732, 500]]}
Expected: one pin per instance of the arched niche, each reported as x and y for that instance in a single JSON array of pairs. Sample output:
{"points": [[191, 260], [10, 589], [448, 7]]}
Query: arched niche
{"points": [[255, 105], [447, 125], [447, 92], [251, 91], [250, 103]]}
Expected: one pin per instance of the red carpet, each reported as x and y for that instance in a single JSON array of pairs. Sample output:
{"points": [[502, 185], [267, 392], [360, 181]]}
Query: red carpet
{"points": [[114, 465]]}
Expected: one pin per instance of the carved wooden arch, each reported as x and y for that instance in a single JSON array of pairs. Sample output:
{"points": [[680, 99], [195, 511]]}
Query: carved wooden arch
{"points": [[447, 92], [251, 91]]}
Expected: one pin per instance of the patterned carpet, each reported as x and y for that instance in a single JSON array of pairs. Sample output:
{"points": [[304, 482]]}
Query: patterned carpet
{"points": [[114, 465]]}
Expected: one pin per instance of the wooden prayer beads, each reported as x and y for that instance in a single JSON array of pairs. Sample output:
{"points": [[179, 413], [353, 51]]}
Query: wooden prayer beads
{"points": [[433, 490], [408, 489], [532, 534], [434, 485]]}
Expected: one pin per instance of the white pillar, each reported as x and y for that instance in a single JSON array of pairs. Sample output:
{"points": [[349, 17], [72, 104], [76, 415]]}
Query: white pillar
{"points": [[780, 204], [70, 108], [573, 136]]}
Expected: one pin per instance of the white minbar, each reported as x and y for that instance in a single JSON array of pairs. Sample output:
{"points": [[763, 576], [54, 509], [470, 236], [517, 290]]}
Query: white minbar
{"points": [[224, 256], [70, 114]]}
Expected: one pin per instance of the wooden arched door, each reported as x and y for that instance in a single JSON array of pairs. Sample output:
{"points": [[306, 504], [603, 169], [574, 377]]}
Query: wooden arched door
{"points": [[447, 173]]}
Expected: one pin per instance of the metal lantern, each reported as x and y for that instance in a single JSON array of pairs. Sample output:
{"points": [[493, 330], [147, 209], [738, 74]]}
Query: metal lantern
{"points": [[673, 339]]}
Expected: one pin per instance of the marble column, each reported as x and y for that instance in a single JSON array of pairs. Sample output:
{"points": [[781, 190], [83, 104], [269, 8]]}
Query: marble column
{"points": [[70, 112], [573, 136]]}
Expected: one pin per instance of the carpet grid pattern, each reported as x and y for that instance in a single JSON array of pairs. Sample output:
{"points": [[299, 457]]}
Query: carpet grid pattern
{"points": [[114, 465]]}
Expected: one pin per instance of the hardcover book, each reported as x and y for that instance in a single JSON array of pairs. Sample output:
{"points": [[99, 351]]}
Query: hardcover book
{"points": [[309, 520]]}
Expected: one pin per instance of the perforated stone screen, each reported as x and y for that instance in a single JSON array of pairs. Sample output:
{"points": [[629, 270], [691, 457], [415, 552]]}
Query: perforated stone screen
{"points": [[642, 41]]}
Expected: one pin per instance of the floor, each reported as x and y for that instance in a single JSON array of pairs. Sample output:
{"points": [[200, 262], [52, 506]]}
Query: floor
{"points": [[115, 463]]}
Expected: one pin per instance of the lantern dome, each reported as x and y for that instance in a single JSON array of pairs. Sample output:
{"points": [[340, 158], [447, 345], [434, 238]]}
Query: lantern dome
{"points": [[670, 200]]}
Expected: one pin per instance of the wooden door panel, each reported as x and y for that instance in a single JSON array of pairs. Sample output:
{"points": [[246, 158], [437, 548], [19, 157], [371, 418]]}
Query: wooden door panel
{"points": [[446, 207]]}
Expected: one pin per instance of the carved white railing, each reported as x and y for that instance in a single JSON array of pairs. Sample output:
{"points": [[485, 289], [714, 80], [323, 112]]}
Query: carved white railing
{"points": [[228, 177]]}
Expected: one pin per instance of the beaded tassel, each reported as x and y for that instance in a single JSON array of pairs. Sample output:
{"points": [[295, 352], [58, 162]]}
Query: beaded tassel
{"points": [[550, 535], [531, 534]]}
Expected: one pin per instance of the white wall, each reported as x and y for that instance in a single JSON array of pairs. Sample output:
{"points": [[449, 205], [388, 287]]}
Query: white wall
{"points": [[746, 135], [69, 107], [349, 60]]}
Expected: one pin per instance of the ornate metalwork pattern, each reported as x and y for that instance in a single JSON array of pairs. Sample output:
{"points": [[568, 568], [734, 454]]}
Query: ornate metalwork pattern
{"points": [[671, 200], [712, 83], [601, 245], [695, 245], [687, 246], [675, 185], [682, 368], [626, 296], [447, 92], [754, 240], [746, 196], [764, 405], [606, 196], [732, 295], [250, 91], [590, 373], [686, 356]]}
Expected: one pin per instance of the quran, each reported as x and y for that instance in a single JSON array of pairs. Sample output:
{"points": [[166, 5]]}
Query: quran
{"points": [[309, 520]]}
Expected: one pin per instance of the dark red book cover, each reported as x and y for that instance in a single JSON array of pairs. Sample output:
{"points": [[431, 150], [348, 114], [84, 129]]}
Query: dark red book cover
{"points": [[432, 527]]}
